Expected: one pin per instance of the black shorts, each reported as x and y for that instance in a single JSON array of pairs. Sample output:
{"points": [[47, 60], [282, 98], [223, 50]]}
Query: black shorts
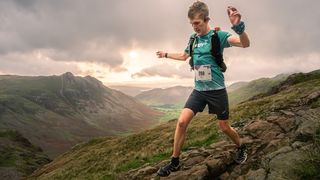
{"points": [[217, 101]]}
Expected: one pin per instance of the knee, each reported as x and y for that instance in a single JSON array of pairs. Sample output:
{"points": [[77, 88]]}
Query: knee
{"points": [[182, 124], [224, 127]]}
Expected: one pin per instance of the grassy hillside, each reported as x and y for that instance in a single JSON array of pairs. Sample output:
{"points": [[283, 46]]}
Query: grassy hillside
{"points": [[105, 158], [252, 88], [170, 101], [167, 96], [18, 157]]}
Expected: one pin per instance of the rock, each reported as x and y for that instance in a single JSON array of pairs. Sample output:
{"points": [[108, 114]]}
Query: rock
{"points": [[263, 130], [147, 170], [280, 151], [224, 176], [257, 128], [288, 113], [259, 174], [193, 161], [286, 124], [308, 125], [216, 166], [298, 144], [195, 173], [281, 166], [272, 118], [310, 98], [276, 144], [218, 144]]}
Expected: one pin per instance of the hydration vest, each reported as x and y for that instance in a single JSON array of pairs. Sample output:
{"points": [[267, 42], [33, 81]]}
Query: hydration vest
{"points": [[215, 50]]}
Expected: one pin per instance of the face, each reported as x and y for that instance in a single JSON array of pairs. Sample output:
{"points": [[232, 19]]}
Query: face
{"points": [[199, 25]]}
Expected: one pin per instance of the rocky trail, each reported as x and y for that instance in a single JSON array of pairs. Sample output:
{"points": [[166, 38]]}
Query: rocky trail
{"points": [[276, 144]]}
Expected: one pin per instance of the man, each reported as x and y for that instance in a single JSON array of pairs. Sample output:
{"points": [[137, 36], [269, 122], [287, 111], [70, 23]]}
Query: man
{"points": [[209, 80]]}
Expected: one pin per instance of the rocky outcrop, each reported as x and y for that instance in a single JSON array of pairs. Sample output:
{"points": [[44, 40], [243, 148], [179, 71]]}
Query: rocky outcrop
{"points": [[276, 143]]}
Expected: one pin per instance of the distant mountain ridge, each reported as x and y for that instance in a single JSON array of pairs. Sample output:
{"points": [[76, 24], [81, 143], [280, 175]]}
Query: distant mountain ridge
{"points": [[237, 92], [129, 90], [166, 96], [240, 92], [56, 112]]}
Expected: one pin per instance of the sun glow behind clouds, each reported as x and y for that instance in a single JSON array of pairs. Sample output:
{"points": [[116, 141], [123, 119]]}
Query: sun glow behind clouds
{"points": [[133, 54], [134, 61]]}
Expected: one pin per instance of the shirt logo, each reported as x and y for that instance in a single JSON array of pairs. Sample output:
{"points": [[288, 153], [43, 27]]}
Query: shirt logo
{"points": [[202, 44]]}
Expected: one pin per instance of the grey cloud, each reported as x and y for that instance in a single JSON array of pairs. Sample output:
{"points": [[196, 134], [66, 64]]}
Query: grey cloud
{"points": [[278, 29], [23, 64]]}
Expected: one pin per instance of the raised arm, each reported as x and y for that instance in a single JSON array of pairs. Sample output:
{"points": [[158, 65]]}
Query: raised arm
{"points": [[241, 41], [238, 26], [176, 56]]}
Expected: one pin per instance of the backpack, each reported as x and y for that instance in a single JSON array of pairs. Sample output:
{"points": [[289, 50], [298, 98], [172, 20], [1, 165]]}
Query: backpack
{"points": [[215, 50]]}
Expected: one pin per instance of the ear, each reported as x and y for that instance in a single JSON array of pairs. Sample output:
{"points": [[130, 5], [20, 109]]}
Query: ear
{"points": [[217, 28], [206, 19]]}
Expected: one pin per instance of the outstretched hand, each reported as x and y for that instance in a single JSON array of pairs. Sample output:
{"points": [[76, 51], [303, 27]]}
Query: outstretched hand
{"points": [[161, 54], [234, 15]]}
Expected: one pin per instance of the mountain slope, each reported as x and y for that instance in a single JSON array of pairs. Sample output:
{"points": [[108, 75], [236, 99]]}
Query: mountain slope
{"points": [[66, 110], [168, 96], [18, 157], [275, 126], [252, 88], [170, 101], [236, 86], [130, 90]]}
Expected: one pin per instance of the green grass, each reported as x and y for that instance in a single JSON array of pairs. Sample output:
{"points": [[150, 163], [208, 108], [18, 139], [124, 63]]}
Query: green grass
{"points": [[212, 138], [7, 158], [309, 168], [136, 163], [130, 165], [253, 88], [170, 111], [17, 152]]}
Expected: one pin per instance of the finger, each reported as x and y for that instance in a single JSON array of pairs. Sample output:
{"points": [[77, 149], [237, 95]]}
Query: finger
{"points": [[236, 14], [232, 14], [233, 9]]}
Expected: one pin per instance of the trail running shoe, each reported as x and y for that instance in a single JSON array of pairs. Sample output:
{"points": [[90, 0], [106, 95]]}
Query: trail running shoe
{"points": [[241, 155], [167, 169]]}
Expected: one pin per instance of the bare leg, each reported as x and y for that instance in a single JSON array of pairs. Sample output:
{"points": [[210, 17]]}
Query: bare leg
{"points": [[229, 131], [180, 133]]}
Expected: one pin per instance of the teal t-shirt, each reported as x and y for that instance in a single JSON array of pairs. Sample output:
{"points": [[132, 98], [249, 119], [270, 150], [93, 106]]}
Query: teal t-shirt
{"points": [[208, 75]]}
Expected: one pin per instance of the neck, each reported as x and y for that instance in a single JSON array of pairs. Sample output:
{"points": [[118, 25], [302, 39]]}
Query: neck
{"points": [[206, 32]]}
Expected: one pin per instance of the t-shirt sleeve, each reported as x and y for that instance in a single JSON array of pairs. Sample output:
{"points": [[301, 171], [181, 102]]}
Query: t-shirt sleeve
{"points": [[223, 36]]}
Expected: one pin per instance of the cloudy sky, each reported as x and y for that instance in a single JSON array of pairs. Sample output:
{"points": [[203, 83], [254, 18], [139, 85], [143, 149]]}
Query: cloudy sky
{"points": [[116, 40]]}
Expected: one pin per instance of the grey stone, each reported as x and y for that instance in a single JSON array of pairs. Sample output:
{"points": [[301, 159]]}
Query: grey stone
{"points": [[259, 174]]}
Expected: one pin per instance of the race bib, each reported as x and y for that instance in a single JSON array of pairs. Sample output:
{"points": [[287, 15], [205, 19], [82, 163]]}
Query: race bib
{"points": [[203, 72]]}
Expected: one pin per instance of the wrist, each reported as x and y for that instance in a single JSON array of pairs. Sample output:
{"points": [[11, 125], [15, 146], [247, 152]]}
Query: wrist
{"points": [[239, 28]]}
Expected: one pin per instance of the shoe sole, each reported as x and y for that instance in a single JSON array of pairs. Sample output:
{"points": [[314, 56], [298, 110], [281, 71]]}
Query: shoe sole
{"points": [[245, 159]]}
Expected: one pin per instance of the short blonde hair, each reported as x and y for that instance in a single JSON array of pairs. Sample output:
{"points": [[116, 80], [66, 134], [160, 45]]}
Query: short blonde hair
{"points": [[198, 8]]}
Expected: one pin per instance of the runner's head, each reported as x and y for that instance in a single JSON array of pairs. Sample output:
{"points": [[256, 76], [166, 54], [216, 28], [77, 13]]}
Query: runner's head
{"points": [[199, 17]]}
